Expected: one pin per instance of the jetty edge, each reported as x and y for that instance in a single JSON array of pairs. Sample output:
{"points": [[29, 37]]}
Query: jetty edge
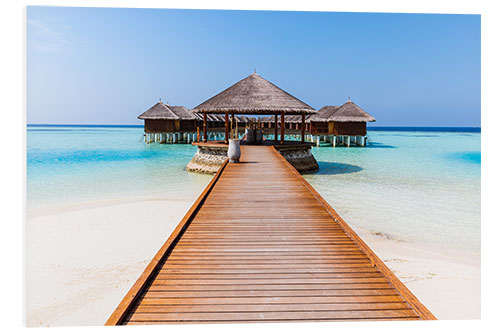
{"points": [[310, 261]]}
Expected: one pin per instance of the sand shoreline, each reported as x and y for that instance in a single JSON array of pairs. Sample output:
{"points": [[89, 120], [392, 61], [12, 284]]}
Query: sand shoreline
{"points": [[83, 258]]}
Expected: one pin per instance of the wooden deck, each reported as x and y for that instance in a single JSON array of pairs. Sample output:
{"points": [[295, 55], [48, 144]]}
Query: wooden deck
{"points": [[261, 245]]}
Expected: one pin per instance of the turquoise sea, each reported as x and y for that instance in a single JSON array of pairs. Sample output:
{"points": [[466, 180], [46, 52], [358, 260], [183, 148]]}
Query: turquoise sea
{"points": [[414, 185]]}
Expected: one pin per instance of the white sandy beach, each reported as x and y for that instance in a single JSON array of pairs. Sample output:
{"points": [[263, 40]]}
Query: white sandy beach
{"points": [[83, 259]]}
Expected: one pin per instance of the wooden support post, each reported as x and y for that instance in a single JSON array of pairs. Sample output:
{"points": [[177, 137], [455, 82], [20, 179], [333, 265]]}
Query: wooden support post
{"points": [[204, 126], [226, 134], [276, 128], [303, 128], [282, 137]]}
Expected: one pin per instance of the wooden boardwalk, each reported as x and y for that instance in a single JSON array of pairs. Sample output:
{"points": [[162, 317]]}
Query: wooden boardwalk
{"points": [[260, 244]]}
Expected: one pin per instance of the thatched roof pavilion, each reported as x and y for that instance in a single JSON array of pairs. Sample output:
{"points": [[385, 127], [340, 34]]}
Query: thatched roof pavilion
{"points": [[349, 112], [164, 118], [254, 95], [348, 119], [159, 111]]}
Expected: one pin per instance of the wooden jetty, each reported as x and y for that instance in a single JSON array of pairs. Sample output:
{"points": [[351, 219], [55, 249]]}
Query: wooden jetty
{"points": [[261, 245]]}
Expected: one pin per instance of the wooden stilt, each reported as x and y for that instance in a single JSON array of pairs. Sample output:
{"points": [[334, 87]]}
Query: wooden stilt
{"points": [[303, 127], [204, 126], [282, 137], [276, 128], [226, 133]]}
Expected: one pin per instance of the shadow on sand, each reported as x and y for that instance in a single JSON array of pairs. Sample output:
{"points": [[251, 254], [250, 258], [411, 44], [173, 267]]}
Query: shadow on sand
{"points": [[332, 168]]}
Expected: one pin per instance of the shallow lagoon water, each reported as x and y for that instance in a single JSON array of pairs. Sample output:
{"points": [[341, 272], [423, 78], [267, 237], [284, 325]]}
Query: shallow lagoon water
{"points": [[413, 186]]}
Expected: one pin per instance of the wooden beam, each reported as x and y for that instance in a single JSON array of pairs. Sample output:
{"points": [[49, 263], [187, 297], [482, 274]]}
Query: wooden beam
{"points": [[226, 135], [205, 127], [276, 128], [282, 137], [232, 124], [303, 127]]}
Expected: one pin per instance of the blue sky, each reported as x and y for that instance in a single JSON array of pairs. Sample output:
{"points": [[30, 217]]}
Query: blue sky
{"points": [[108, 65]]}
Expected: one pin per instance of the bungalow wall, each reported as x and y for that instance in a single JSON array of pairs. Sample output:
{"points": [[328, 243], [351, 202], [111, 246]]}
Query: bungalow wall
{"points": [[338, 128], [187, 126], [158, 126], [169, 126], [348, 128], [317, 127]]}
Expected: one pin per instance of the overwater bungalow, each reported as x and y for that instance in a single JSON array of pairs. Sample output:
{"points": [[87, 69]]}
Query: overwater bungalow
{"points": [[345, 124], [165, 123]]}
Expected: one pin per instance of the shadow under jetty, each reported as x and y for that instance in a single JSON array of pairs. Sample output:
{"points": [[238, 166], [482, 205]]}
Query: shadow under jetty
{"points": [[333, 168], [379, 145]]}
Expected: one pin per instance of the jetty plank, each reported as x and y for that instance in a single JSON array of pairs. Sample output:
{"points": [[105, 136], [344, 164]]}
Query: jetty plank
{"points": [[260, 244]]}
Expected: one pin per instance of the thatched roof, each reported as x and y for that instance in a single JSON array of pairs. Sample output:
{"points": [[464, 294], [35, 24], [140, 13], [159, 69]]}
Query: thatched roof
{"points": [[347, 112], [324, 113], [350, 112], [159, 111], [254, 95], [162, 111], [182, 112]]}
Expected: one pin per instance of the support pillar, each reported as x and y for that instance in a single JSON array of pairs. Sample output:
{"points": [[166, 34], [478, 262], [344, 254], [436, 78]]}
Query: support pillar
{"points": [[282, 137], [303, 128], [205, 127], [276, 128], [226, 133]]}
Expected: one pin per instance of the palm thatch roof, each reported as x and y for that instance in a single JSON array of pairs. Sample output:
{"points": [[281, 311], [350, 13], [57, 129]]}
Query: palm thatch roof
{"points": [[162, 111], [350, 112], [182, 112], [159, 111], [324, 114], [254, 95], [347, 112]]}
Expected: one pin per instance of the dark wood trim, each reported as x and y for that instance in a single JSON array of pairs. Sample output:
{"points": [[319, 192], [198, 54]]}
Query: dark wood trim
{"points": [[282, 137], [226, 134], [412, 300], [303, 128], [120, 312], [205, 137], [276, 128]]}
